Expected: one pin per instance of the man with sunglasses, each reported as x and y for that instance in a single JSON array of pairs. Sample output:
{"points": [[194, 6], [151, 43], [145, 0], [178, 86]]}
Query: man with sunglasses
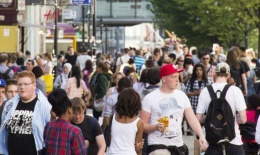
{"points": [[24, 118], [210, 69]]}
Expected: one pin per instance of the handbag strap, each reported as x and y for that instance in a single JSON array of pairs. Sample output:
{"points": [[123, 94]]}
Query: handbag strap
{"points": [[109, 128]]}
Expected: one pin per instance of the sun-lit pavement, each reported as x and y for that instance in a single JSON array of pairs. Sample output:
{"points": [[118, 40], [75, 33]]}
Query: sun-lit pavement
{"points": [[189, 141]]}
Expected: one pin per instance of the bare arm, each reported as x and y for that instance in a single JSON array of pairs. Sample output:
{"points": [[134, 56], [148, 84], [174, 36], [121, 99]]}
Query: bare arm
{"points": [[248, 74], [148, 128], [254, 79], [195, 125], [101, 144], [139, 138], [241, 117], [193, 121], [117, 68], [201, 118], [195, 93], [67, 87], [105, 123], [244, 83]]}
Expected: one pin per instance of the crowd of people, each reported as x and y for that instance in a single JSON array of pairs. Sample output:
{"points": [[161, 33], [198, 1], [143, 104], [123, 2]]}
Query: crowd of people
{"points": [[140, 98]]}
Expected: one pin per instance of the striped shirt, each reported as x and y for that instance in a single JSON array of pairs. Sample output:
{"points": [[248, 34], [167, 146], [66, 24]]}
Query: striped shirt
{"points": [[139, 61]]}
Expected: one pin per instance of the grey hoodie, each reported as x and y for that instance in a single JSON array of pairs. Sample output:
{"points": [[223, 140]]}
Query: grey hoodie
{"points": [[146, 91]]}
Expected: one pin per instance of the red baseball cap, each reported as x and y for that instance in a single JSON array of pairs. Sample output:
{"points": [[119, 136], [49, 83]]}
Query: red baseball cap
{"points": [[169, 69]]}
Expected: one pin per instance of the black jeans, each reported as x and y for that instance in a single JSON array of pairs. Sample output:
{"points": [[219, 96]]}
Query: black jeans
{"points": [[96, 114], [229, 148]]}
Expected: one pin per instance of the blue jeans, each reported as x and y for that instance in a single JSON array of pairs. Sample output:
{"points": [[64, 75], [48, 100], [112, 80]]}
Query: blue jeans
{"points": [[230, 150]]}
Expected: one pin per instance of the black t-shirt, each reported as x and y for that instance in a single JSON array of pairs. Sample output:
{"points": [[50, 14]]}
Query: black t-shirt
{"points": [[20, 139], [90, 129], [236, 72], [246, 67], [71, 59]]}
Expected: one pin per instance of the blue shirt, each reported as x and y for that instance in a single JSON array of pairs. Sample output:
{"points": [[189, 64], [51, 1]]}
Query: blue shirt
{"points": [[139, 61]]}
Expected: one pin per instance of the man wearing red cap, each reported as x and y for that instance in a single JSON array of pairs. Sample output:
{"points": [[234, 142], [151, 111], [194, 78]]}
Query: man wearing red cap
{"points": [[162, 115]]}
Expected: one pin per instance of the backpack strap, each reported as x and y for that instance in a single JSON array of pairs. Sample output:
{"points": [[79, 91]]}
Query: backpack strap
{"points": [[224, 91], [109, 129], [121, 60], [209, 69], [211, 92], [8, 71], [61, 78]]}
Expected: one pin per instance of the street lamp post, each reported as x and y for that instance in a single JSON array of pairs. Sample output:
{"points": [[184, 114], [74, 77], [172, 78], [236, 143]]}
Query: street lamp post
{"points": [[55, 37], [83, 24], [56, 28], [94, 26], [106, 37], [89, 27]]}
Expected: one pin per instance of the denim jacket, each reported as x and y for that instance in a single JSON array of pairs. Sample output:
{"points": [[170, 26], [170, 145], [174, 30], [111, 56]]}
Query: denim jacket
{"points": [[41, 117]]}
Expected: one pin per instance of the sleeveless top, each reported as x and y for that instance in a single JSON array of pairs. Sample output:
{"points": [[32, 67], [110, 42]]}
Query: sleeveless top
{"points": [[123, 138]]}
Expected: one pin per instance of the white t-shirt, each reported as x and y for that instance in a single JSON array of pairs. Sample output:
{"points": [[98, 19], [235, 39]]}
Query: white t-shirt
{"points": [[81, 60], [123, 59], [234, 97], [178, 54], [159, 104], [47, 66], [257, 133]]}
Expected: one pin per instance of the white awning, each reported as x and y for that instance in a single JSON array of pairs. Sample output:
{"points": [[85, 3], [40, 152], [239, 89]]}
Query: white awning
{"points": [[59, 41]]}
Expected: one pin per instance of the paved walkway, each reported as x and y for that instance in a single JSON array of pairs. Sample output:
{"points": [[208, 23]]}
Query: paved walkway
{"points": [[189, 141]]}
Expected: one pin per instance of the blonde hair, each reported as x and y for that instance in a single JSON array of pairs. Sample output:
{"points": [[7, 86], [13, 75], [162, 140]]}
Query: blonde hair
{"points": [[250, 52], [78, 104], [116, 74], [27, 74]]}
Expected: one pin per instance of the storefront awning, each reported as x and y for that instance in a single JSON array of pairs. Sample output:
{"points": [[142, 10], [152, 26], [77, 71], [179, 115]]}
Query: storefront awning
{"points": [[67, 28]]}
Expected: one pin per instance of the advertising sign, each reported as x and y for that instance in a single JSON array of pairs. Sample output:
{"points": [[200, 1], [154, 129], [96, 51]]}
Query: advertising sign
{"points": [[82, 2], [8, 5]]}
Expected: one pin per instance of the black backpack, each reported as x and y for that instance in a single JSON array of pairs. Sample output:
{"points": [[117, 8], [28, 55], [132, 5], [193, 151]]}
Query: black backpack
{"points": [[5, 75], [220, 121]]}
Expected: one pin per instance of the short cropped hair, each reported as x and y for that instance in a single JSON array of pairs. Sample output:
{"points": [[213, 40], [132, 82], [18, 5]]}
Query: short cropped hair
{"points": [[153, 75], [27, 74], [78, 104], [3, 57], [10, 82], [37, 71]]}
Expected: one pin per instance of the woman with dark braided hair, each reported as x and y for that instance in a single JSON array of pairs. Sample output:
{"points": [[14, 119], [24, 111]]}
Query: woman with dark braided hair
{"points": [[126, 127], [61, 137]]}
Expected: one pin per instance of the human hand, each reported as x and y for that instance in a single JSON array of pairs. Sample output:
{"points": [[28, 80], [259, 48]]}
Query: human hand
{"points": [[245, 92], [160, 127], [140, 145], [87, 143], [203, 144]]}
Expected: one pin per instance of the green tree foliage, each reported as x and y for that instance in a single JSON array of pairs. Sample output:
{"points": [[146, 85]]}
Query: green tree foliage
{"points": [[207, 21]]}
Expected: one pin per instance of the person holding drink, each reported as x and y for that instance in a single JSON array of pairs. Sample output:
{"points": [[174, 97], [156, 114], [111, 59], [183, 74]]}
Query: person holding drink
{"points": [[165, 137]]}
